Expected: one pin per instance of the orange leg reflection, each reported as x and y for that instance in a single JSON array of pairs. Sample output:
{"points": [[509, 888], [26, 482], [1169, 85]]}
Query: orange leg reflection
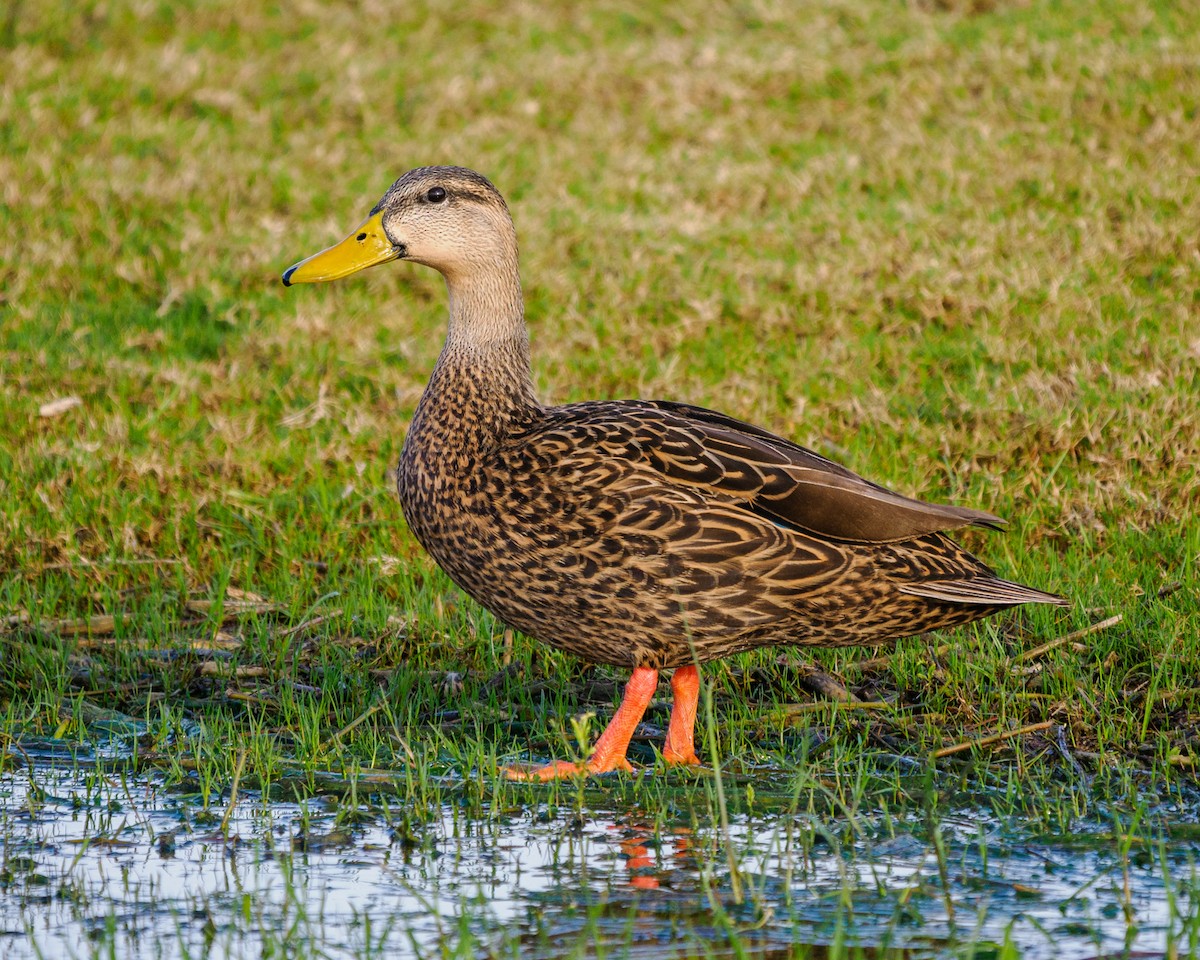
{"points": [[637, 842], [639, 857]]}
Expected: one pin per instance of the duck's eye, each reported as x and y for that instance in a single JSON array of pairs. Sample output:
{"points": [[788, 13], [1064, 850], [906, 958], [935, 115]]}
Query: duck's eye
{"points": [[436, 194]]}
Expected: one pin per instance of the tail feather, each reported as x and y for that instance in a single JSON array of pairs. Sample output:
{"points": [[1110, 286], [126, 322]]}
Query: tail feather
{"points": [[987, 591]]}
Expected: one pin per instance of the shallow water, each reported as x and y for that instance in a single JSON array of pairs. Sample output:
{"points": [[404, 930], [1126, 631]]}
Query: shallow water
{"points": [[99, 863]]}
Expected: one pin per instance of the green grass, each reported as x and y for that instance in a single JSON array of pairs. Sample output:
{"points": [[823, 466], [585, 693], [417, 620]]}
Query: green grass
{"points": [[951, 245]]}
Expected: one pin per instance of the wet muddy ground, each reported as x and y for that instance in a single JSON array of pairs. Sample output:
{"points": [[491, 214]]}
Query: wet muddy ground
{"points": [[96, 860]]}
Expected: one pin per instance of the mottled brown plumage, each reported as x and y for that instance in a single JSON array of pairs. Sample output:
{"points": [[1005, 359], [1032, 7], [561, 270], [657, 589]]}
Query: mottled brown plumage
{"points": [[643, 534]]}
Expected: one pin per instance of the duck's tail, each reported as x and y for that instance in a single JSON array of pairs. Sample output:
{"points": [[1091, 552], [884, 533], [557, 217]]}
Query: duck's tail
{"points": [[987, 591]]}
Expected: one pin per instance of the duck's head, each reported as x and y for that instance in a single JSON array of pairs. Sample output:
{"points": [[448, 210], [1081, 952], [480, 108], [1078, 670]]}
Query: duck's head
{"points": [[449, 218]]}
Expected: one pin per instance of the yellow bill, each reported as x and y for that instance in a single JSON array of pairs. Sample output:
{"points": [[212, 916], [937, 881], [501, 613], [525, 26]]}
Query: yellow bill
{"points": [[365, 247]]}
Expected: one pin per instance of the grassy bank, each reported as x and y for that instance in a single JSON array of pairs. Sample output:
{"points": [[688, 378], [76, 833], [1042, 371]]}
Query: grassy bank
{"points": [[951, 245]]}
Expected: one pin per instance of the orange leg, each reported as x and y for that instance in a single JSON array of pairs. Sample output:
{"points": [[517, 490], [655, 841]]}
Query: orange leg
{"points": [[680, 746], [609, 753]]}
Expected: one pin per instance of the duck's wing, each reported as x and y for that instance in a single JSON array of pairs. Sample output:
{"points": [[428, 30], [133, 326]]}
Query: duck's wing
{"points": [[774, 477], [794, 486], [582, 490], [722, 507]]}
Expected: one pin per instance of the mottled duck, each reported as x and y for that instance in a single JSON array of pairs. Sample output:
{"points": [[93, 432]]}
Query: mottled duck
{"points": [[643, 534]]}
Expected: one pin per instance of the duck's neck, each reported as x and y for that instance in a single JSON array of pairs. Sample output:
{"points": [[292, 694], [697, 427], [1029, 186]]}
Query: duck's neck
{"points": [[481, 387], [487, 311]]}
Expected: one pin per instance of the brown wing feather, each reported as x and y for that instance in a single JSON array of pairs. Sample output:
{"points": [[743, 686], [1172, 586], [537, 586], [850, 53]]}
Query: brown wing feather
{"points": [[694, 537], [698, 543], [766, 474]]}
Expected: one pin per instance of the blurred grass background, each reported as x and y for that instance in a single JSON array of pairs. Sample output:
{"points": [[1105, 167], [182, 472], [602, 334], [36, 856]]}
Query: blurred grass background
{"points": [[953, 245]]}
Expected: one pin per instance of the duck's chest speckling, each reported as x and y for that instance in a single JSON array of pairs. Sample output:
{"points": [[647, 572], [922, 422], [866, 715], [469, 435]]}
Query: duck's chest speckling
{"points": [[455, 501], [445, 495]]}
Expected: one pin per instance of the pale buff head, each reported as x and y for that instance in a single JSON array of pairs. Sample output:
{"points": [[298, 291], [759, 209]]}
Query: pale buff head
{"points": [[448, 218]]}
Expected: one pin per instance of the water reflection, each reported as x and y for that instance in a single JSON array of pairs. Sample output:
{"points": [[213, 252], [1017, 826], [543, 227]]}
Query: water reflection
{"points": [[94, 863], [649, 856]]}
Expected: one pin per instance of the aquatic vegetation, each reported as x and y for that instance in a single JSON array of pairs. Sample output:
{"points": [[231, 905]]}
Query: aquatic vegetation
{"points": [[100, 861]]}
